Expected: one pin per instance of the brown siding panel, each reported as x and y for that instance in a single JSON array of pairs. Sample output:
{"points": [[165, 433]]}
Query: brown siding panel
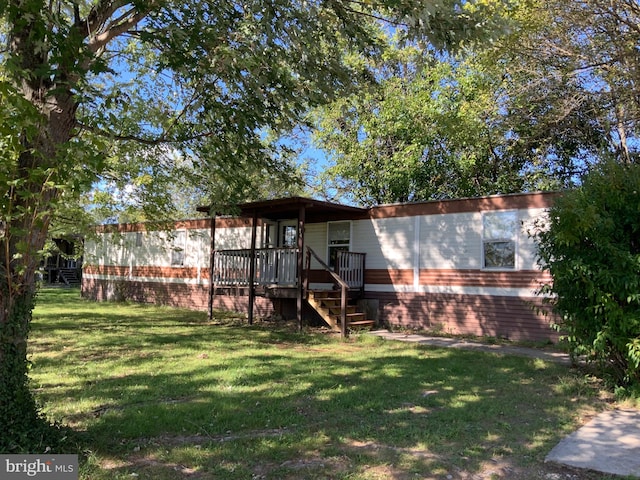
{"points": [[193, 224], [147, 271], [496, 202], [391, 277], [485, 278], [513, 318], [182, 295]]}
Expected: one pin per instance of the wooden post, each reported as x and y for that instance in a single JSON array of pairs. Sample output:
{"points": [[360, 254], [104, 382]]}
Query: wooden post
{"points": [[300, 266], [252, 266], [212, 255], [343, 311]]}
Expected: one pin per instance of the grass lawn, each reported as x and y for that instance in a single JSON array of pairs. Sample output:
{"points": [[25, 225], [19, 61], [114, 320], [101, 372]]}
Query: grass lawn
{"points": [[162, 393]]}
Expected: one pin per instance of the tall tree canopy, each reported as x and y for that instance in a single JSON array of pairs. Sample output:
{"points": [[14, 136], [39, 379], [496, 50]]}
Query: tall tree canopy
{"points": [[573, 69], [107, 87], [431, 129], [534, 109]]}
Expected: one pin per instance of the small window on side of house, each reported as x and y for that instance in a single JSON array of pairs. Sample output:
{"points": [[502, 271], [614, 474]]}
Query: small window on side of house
{"points": [[178, 249], [138, 239], [499, 234]]}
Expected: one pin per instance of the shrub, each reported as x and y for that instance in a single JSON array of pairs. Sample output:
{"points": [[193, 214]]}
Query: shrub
{"points": [[591, 246]]}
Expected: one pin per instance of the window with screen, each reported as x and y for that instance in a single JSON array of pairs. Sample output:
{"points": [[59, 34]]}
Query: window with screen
{"points": [[179, 246], [499, 232]]}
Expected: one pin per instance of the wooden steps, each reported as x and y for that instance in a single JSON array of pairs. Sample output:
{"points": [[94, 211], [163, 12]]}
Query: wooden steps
{"points": [[69, 276], [327, 304]]}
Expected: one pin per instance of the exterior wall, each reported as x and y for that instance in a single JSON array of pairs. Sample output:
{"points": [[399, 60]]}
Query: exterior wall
{"points": [[506, 317], [118, 268], [174, 294], [424, 267]]}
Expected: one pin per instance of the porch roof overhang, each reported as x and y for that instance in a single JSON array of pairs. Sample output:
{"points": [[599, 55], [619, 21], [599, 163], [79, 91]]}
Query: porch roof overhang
{"points": [[316, 211]]}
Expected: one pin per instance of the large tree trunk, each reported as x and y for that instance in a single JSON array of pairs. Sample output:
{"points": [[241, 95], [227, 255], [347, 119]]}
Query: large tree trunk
{"points": [[22, 236], [43, 72], [22, 240]]}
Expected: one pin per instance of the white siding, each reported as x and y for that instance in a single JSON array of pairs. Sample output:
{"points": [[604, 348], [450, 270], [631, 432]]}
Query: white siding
{"points": [[451, 241], [527, 250], [233, 238], [155, 249], [387, 242], [441, 241], [315, 236], [197, 252]]}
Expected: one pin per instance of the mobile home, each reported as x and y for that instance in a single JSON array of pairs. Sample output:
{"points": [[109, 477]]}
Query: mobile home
{"points": [[465, 266]]}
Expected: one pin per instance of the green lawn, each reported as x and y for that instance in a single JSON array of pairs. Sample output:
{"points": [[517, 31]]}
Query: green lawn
{"points": [[162, 393]]}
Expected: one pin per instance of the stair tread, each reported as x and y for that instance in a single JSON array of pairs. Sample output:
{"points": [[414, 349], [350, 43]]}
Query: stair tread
{"points": [[363, 322], [328, 304]]}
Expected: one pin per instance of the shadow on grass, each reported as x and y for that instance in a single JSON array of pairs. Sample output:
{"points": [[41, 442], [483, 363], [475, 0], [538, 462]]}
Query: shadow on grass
{"points": [[237, 402]]}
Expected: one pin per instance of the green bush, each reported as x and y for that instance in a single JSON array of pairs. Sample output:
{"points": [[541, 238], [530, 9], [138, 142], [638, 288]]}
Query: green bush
{"points": [[591, 246]]}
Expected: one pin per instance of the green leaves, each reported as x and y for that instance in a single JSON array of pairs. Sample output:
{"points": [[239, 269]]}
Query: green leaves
{"points": [[590, 249], [430, 129]]}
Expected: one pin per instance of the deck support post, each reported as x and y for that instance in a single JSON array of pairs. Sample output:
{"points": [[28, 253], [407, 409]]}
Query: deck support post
{"points": [[300, 266], [212, 256], [252, 266]]}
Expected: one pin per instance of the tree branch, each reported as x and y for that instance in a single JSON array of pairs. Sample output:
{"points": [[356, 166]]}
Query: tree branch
{"points": [[98, 16], [105, 133], [151, 141], [98, 42], [100, 26]]}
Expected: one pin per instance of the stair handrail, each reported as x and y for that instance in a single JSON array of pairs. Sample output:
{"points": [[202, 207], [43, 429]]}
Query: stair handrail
{"points": [[344, 287]]}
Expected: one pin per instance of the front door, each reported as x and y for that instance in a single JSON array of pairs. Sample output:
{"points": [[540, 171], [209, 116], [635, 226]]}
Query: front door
{"points": [[287, 258]]}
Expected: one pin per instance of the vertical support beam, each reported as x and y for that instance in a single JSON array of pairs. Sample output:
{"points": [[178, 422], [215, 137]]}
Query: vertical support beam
{"points": [[252, 265], [212, 256], [300, 266], [343, 310]]}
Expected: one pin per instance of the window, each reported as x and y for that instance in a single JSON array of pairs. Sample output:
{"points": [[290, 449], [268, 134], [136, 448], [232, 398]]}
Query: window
{"points": [[499, 239], [338, 239], [289, 236], [138, 239], [179, 245]]}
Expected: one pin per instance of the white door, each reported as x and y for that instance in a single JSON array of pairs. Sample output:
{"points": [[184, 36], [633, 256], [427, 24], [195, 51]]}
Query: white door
{"points": [[287, 259]]}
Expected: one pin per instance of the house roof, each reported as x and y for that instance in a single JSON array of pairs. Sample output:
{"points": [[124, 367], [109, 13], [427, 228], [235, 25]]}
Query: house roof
{"points": [[285, 208]]}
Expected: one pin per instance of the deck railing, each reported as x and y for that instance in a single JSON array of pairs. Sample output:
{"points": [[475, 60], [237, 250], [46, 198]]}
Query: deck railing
{"points": [[274, 266], [350, 268]]}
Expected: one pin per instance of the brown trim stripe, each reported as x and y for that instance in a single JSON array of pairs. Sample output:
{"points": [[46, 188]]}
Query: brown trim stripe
{"points": [[497, 202], [433, 277], [193, 224], [147, 271], [485, 278]]}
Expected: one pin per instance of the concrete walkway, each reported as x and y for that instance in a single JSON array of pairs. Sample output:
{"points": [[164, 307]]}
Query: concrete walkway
{"points": [[610, 443]]}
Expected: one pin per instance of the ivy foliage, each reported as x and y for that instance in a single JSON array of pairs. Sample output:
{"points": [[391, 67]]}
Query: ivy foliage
{"points": [[591, 246]]}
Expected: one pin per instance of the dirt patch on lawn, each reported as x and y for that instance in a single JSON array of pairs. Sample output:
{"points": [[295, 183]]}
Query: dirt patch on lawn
{"points": [[368, 460]]}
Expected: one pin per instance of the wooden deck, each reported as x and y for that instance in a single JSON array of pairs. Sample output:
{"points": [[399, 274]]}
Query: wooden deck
{"points": [[275, 275]]}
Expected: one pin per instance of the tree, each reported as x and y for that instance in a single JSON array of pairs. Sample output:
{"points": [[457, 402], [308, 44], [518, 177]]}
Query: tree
{"points": [[573, 73], [85, 82], [532, 110], [432, 128], [591, 247], [130, 192]]}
